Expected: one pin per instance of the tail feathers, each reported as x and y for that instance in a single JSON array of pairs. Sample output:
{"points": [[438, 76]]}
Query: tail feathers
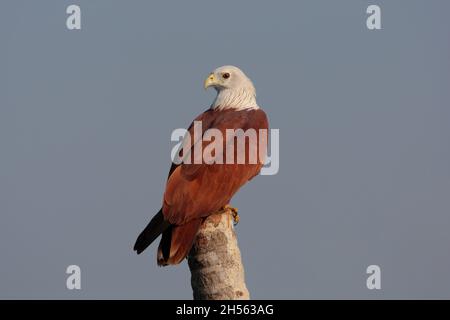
{"points": [[176, 242], [155, 227]]}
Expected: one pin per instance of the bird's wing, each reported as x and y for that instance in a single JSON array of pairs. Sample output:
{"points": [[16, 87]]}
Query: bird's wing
{"points": [[196, 190], [188, 144]]}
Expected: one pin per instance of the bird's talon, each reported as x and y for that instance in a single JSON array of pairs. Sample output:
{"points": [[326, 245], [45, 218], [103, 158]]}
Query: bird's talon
{"points": [[234, 213], [235, 217]]}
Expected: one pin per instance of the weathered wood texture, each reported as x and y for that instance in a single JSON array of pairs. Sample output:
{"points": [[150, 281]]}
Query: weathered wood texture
{"points": [[215, 261]]}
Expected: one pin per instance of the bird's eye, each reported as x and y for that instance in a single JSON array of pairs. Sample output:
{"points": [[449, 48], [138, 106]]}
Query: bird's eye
{"points": [[226, 75]]}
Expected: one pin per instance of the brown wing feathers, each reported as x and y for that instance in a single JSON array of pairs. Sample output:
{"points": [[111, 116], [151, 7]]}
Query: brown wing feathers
{"points": [[176, 242], [194, 191]]}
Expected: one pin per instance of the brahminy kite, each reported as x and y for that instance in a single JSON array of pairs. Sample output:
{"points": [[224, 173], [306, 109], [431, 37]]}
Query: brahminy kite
{"points": [[196, 190]]}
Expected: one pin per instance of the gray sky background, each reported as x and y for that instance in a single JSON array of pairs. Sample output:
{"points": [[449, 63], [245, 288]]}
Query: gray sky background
{"points": [[86, 118]]}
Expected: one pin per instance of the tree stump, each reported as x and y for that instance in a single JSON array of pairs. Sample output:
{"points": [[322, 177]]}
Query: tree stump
{"points": [[215, 261]]}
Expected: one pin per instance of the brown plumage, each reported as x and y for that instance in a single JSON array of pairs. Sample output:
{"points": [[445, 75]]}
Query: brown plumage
{"points": [[194, 191]]}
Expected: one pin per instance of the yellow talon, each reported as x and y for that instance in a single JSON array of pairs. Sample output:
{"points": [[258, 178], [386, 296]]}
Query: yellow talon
{"points": [[234, 213], [235, 217]]}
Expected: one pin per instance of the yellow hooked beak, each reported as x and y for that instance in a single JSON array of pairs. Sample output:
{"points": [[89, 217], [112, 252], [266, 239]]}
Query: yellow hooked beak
{"points": [[210, 81]]}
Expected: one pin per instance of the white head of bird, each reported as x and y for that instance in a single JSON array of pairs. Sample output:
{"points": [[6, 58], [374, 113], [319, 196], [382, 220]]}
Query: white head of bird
{"points": [[234, 89]]}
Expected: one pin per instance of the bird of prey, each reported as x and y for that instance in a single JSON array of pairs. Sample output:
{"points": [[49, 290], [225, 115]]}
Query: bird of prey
{"points": [[196, 190]]}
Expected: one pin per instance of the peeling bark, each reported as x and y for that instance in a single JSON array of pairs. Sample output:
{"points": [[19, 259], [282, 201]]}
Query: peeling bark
{"points": [[215, 261]]}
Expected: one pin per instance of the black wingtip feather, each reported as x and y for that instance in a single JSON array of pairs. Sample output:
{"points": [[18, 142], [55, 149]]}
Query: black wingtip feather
{"points": [[155, 227]]}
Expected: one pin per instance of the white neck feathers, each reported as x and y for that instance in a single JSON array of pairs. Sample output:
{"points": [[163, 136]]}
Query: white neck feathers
{"points": [[236, 99]]}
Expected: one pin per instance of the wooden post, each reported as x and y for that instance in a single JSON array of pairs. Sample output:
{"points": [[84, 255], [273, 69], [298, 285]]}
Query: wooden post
{"points": [[215, 261]]}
